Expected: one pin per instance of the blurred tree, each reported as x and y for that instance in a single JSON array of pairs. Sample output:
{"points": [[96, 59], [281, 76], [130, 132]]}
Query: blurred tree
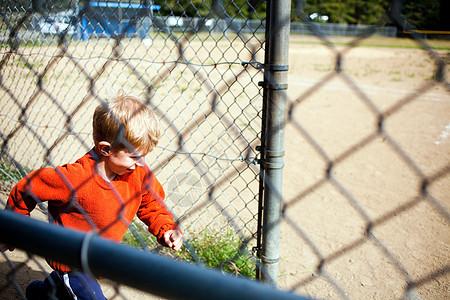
{"points": [[347, 11], [423, 14], [444, 9], [367, 12], [242, 9]]}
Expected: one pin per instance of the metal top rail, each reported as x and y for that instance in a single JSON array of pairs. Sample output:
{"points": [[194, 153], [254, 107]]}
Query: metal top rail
{"points": [[140, 269]]}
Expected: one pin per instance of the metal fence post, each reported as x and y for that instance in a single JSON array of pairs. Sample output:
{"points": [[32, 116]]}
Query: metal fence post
{"points": [[275, 95]]}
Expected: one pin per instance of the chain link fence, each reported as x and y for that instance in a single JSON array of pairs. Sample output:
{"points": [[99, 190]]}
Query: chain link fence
{"points": [[364, 211]]}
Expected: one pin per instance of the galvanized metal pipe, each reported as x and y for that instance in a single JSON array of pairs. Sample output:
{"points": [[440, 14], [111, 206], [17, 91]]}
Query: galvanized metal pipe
{"points": [[133, 267], [275, 92]]}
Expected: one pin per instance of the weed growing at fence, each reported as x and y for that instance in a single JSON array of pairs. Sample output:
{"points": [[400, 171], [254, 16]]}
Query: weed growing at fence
{"points": [[130, 240], [218, 249], [9, 173], [221, 249]]}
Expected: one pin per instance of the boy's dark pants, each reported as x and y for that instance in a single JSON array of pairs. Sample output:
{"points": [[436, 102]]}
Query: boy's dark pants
{"points": [[65, 286]]}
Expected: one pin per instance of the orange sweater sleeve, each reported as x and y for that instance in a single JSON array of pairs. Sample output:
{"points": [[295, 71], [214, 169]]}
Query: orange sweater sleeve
{"points": [[152, 211], [46, 184]]}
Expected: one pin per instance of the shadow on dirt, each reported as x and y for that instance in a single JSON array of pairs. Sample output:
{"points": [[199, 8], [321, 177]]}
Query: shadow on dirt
{"points": [[16, 274]]}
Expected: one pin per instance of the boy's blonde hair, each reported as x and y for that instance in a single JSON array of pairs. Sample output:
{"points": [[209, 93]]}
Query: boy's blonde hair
{"points": [[125, 122]]}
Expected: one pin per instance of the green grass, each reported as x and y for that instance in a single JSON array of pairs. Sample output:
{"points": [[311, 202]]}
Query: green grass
{"points": [[130, 240], [9, 173], [373, 41], [219, 249]]}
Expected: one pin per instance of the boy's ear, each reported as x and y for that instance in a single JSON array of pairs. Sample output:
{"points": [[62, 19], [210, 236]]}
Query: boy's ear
{"points": [[104, 148]]}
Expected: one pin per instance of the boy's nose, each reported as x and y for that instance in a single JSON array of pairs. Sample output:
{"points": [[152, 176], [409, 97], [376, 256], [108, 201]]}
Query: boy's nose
{"points": [[140, 162]]}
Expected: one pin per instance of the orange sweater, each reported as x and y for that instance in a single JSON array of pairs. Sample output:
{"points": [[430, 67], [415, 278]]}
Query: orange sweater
{"points": [[79, 198]]}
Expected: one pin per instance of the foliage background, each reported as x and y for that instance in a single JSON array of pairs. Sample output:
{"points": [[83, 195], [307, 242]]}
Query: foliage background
{"points": [[423, 14]]}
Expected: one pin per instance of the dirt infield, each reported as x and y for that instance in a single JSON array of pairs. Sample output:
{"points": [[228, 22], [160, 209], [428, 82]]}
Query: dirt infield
{"points": [[377, 174], [375, 182]]}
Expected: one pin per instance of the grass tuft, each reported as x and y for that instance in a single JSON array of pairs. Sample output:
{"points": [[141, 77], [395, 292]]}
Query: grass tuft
{"points": [[220, 249], [9, 173]]}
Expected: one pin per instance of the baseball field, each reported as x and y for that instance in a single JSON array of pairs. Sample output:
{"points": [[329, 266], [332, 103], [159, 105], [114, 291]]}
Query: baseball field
{"points": [[366, 179]]}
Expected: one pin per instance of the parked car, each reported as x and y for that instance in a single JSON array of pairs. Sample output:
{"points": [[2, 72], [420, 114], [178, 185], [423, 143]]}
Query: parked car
{"points": [[173, 21], [54, 26]]}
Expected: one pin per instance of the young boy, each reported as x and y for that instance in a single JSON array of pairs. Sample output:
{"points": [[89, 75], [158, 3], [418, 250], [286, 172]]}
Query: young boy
{"points": [[101, 192]]}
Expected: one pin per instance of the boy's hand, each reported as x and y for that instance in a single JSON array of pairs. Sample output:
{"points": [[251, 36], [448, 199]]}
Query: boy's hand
{"points": [[173, 239]]}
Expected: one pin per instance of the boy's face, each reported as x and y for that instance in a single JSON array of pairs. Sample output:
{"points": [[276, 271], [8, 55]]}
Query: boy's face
{"points": [[123, 161]]}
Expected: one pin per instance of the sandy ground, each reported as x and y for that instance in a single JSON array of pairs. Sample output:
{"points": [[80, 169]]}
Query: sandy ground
{"points": [[368, 223], [376, 178]]}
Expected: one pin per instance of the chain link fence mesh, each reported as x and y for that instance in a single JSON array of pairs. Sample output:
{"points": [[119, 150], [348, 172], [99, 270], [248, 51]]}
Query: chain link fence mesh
{"points": [[366, 179]]}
